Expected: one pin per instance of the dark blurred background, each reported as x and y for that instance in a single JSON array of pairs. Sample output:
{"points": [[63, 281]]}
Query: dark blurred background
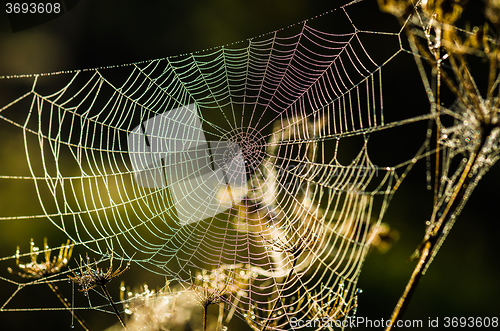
{"points": [[462, 281]]}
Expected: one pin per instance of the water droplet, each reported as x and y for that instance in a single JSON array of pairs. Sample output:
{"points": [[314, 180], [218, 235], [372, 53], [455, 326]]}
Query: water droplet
{"points": [[72, 326]]}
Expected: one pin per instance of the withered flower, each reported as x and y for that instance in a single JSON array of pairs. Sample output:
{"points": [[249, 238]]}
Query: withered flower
{"points": [[35, 269], [88, 278]]}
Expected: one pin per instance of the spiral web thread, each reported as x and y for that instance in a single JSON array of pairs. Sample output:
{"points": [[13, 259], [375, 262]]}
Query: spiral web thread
{"points": [[261, 122]]}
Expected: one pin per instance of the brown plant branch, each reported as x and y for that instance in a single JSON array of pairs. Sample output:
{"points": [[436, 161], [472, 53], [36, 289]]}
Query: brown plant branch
{"points": [[64, 301]]}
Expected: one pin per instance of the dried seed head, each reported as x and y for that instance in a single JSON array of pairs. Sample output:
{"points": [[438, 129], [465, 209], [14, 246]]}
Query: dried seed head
{"points": [[90, 276], [48, 267]]}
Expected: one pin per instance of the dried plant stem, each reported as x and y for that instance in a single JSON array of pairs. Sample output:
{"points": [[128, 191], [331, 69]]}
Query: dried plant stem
{"points": [[433, 240], [230, 314], [108, 296], [221, 315], [279, 294], [205, 315], [61, 297], [410, 287]]}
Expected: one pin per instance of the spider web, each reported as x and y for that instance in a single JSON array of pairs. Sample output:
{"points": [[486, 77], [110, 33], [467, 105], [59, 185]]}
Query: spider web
{"points": [[231, 161]]}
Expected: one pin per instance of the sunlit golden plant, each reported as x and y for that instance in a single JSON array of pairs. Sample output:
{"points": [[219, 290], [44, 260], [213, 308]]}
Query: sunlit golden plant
{"points": [[460, 56], [48, 267], [35, 269]]}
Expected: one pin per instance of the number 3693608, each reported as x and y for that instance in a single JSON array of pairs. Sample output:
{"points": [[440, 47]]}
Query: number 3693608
{"points": [[32, 8], [470, 322]]}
